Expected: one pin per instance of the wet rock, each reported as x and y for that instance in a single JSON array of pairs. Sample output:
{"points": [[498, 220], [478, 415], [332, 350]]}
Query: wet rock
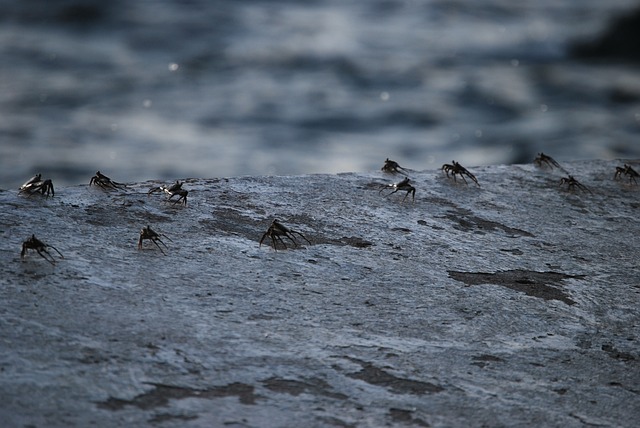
{"points": [[160, 395], [376, 376], [514, 303], [538, 284]]}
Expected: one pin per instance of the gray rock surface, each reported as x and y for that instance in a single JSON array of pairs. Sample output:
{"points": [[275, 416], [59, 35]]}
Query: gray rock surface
{"points": [[516, 303]]}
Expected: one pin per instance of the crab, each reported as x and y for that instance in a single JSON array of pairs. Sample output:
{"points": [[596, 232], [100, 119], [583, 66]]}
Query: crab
{"points": [[36, 185], [40, 247], [277, 230], [573, 183], [153, 236], [404, 186], [545, 160], [628, 171], [105, 182], [173, 190], [393, 167], [455, 168]]}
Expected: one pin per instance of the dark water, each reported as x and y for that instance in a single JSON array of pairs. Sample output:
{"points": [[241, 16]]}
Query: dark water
{"points": [[172, 89]]}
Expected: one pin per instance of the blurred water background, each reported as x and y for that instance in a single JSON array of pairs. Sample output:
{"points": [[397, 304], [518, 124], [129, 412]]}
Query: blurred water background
{"points": [[173, 89]]}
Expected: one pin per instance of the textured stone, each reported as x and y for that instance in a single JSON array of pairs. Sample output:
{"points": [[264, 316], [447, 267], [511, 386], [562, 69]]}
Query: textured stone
{"points": [[513, 303]]}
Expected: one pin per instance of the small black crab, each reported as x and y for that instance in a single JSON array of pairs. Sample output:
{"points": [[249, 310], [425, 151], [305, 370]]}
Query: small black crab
{"points": [[393, 167], [40, 247], [277, 230], [545, 160], [572, 184], [402, 186], [153, 236], [36, 185], [455, 168], [105, 182], [628, 171], [173, 190]]}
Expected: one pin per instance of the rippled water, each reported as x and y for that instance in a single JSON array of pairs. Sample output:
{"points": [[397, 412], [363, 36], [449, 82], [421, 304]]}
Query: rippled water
{"points": [[173, 89]]}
